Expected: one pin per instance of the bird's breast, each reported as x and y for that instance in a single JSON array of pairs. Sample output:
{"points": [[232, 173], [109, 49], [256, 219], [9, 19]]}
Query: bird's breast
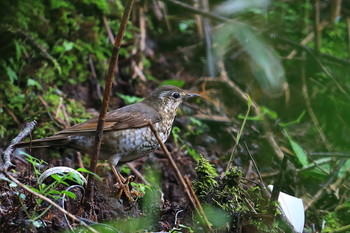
{"points": [[129, 144]]}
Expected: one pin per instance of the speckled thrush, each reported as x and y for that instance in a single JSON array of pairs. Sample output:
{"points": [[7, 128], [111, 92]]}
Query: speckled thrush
{"points": [[126, 135]]}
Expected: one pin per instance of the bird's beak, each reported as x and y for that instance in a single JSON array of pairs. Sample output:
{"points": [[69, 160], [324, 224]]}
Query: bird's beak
{"points": [[191, 95]]}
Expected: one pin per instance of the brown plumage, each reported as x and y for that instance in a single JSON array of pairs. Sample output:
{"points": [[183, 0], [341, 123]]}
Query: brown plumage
{"points": [[127, 135]]}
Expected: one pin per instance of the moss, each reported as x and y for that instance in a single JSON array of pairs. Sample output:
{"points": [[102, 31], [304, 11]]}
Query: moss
{"points": [[343, 212], [207, 174], [233, 195], [47, 49], [332, 222]]}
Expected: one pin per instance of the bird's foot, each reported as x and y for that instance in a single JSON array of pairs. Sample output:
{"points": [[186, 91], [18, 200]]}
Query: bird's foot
{"points": [[124, 188]]}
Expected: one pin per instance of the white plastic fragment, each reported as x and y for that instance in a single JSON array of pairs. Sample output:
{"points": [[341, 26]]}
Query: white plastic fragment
{"points": [[293, 209]]}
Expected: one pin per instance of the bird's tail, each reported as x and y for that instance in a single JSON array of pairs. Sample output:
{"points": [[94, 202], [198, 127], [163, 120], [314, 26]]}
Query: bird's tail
{"points": [[53, 141]]}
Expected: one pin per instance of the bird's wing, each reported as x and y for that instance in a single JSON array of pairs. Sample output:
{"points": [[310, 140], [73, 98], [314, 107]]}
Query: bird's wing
{"points": [[131, 116]]}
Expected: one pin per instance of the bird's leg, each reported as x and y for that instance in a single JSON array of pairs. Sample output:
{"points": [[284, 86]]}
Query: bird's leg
{"points": [[123, 183]]}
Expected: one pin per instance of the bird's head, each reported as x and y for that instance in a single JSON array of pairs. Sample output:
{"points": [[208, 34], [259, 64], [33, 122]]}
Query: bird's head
{"points": [[168, 98]]}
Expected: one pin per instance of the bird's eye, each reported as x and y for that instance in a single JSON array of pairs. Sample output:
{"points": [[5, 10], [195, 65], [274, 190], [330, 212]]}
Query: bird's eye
{"points": [[176, 95]]}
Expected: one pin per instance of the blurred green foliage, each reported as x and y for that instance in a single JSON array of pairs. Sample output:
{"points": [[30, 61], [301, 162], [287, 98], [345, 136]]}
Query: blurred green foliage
{"points": [[45, 47]]}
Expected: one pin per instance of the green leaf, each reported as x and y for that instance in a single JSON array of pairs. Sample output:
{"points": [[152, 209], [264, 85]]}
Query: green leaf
{"points": [[69, 194], [173, 82], [297, 121], [89, 172], [269, 112], [263, 59], [18, 50], [11, 74], [73, 176], [299, 152], [129, 99], [68, 45], [264, 111], [125, 169], [32, 82], [52, 191]]}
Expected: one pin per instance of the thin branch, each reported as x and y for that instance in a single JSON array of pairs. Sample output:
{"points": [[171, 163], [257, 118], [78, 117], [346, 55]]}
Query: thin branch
{"points": [[242, 95], [271, 35], [323, 189], [199, 206], [137, 173], [312, 54], [49, 201], [332, 154], [108, 29], [307, 39], [12, 115], [253, 161], [309, 107], [317, 30], [106, 94], [279, 181], [10, 149], [178, 175], [199, 11], [57, 121]]}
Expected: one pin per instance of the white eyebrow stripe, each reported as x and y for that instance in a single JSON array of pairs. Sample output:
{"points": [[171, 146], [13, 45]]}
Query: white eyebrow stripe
{"points": [[163, 94]]}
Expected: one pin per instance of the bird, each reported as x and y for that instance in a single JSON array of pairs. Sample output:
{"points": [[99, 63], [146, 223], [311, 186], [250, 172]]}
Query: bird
{"points": [[126, 133]]}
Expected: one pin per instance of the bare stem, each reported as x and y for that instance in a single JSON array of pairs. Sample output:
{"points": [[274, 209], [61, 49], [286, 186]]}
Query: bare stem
{"points": [[180, 178], [9, 150], [106, 95], [74, 218]]}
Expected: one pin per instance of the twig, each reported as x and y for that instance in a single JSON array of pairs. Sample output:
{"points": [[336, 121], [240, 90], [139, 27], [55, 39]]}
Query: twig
{"points": [[272, 36], [275, 37], [12, 115], [79, 159], [237, 91], [239, 134], [54, 119], [108, 29], [65, 116], [208, 41], [317, 30], [94, 76], [58, 107], [199, 20], [199, 206], [253, 161], [309, 107], [178, 174], [9, 150], [276, 191], [307, 39], [325, 185], [201, 12], [49, 201], [137, 173], [106, 94], [335, 9], [316, 58], [333, 154], [278, 181]]}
